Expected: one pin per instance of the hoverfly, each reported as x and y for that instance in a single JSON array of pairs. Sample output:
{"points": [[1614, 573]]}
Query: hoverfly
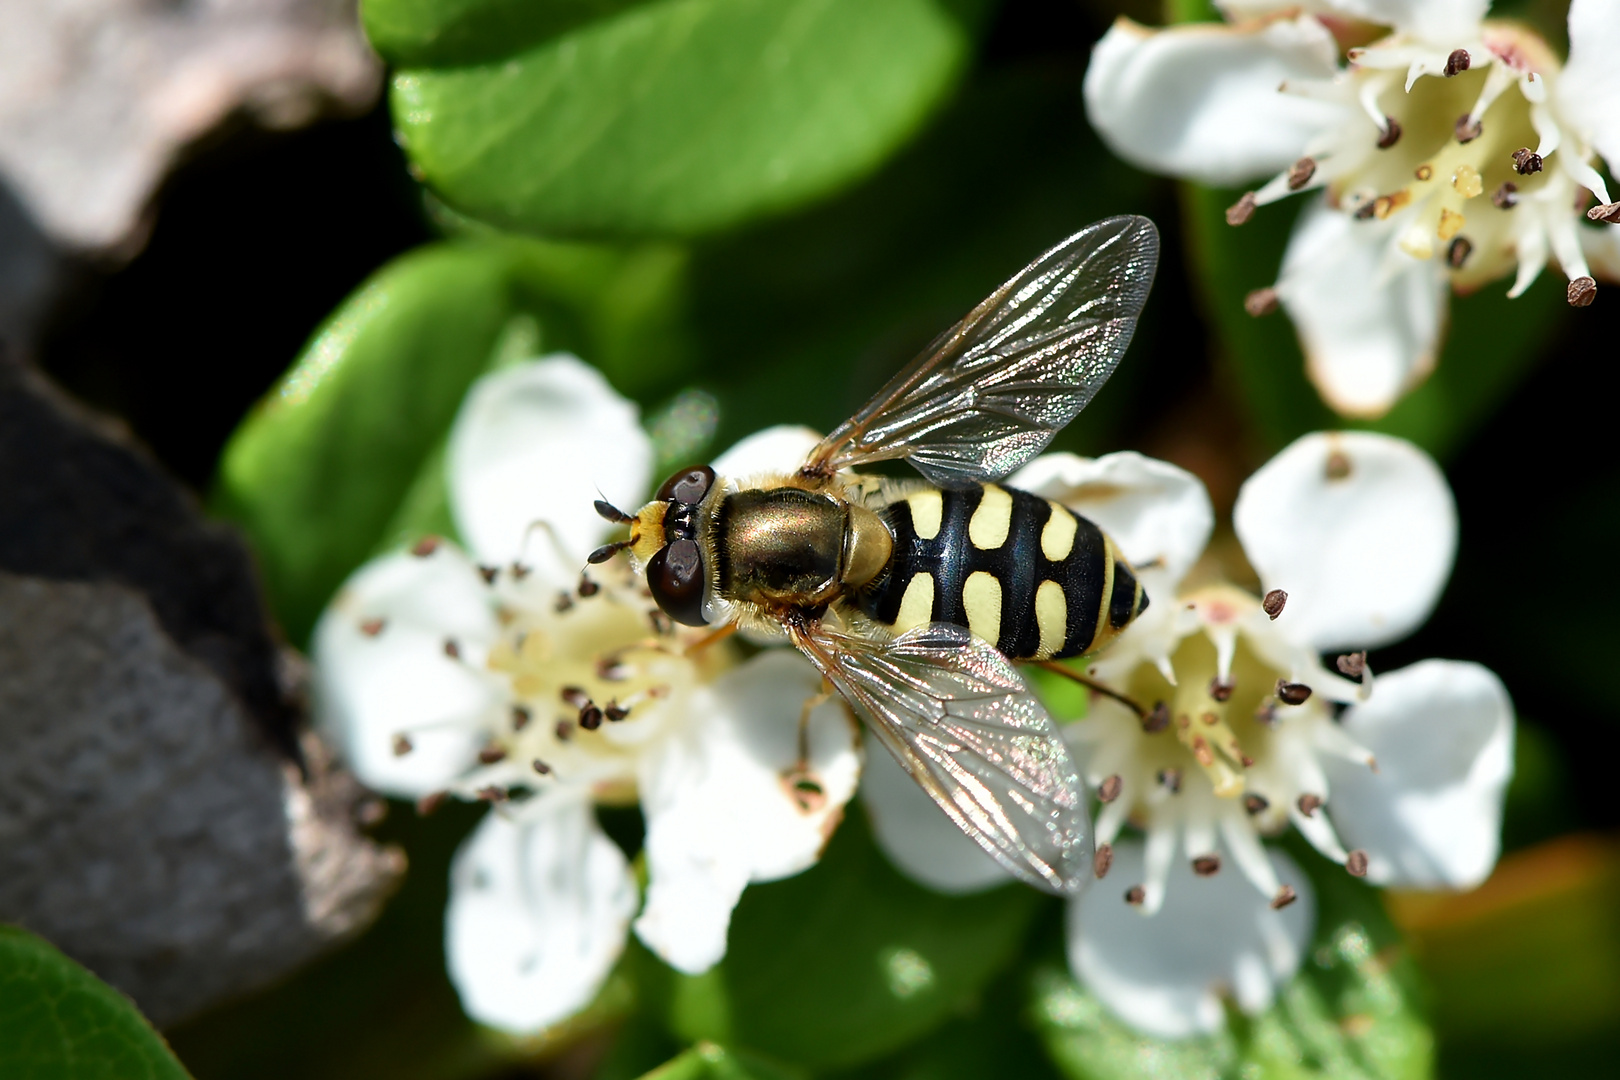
{"points": [[913, 597]]}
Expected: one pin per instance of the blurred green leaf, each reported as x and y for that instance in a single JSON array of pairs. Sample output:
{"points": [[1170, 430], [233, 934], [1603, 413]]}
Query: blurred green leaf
{"points": [[1491, 343], [671, 117], [709, 1061], [59, 1022], [344, 454], [845, 962], [1350, 1014]]}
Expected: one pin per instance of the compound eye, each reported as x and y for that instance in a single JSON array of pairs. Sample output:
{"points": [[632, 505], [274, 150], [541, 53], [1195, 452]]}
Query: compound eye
{"points": [[675, 576], [687, 486]]}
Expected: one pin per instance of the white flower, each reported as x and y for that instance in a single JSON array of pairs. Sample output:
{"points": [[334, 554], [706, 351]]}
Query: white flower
{"points": [[1247, 731], [504, 674], [1452, 151]]}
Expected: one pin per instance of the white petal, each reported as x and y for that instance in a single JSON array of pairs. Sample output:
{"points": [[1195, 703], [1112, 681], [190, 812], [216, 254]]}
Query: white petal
{"points": [[774, 450], [1201, 101], [1602, 248], [542, 441], [1589, 89], [720, 810], [537, 916], [1370, 327], [1362, 556], [1160, 515], [1166, 974], [370, 687], [917, 836], [1445, 24], [1431, 816]]}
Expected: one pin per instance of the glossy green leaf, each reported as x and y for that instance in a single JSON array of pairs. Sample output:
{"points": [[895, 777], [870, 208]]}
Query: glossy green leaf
{"points": [[677, 116], [1350, 1014], [342, 455], [849, 960], [1490, 346], [411, 32], [59, 1022]]}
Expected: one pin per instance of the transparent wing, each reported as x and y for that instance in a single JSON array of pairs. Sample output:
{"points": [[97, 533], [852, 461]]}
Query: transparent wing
{"points": [[959, 719], [990, 393]]}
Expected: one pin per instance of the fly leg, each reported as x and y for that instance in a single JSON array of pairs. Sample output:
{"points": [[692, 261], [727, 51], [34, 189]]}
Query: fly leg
{"points": [[1093, 685], [803, 787]]}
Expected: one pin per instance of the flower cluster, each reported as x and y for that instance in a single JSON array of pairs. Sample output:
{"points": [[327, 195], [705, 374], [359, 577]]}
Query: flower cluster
{"points": [[1450, 153], [499, 672], [1228, 727]]}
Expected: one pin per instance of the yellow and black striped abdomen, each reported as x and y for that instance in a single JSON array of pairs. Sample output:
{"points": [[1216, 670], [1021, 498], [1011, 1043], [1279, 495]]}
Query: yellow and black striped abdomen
{"points": [[1024, 573]]}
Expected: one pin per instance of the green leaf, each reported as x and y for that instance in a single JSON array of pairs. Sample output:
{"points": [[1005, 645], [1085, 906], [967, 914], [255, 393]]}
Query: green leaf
{"points": [[1491, 345], [709, 1061], [412, 32], [1350, 1014], [848, 960], [59, 1022], [677, 116], [344, 455]]}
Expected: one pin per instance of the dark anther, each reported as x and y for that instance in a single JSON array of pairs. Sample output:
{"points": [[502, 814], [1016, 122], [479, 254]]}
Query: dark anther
{"points": [[612, 513], [402, 745], [1457, 254], [492, 794], [429, 803], [1221, 690], [565, 730], [1357, 863], [1457, 62], [1338, 465], [1292, 693], [488, 573], [1582, 291], [1300, 173], [1285, 896], [520, 717], [573, 695], [1273, 603], [615, 711], [1266, 714], [1352, 664], [1609, 212], [662, 624], [590, 718], [1366, 210], [1157, 720], [1207, 865], [1390, 135], [451, 649], [1261, 302], [1101, 861], [541, 767], [563, 603], [1256, 804], [1504, 196], [489, 755], [373, 627], [1109, 789], [611, 670], [1246, 761], [1526, 162], [1242, 210], [1467, 129], [1135, 895], [1309, 804], [1171, 779], [587, 587], [425, 547], [519, 571]]}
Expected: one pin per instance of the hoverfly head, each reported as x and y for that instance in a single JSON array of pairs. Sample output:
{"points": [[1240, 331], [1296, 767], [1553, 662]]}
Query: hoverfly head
{"points": [[664, 539]]}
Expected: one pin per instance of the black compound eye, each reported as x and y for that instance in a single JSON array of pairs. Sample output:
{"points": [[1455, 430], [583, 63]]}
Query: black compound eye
{"points": [[687, 486], [675, 576]]}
